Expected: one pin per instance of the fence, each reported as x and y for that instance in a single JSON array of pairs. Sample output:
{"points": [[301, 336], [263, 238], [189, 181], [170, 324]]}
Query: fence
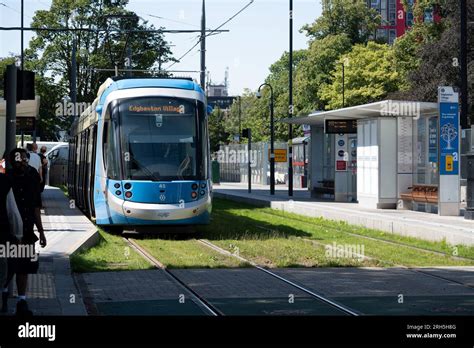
{"points": [[233, 161]]}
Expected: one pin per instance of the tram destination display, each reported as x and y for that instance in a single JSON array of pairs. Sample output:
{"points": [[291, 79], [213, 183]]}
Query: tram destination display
{"points": [[340, 126]]}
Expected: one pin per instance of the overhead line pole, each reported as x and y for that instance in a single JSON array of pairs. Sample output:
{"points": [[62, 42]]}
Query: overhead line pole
{"points": [[290, 106], [203, 46]]}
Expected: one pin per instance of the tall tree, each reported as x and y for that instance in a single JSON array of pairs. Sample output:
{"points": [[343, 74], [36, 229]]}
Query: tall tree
{"points": [[429, 55], [316, 69], [103, 47], [370, 76], [350, 17]]}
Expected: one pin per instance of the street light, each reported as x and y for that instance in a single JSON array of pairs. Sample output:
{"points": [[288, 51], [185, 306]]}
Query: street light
{"points": [[272, 136]]}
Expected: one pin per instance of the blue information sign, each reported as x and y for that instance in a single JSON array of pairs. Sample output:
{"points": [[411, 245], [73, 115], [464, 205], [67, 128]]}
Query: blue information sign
{"points": [[449, 138]]}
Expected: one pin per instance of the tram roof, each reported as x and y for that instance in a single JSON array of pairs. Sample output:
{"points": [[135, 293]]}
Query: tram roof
{"points": [[126, 83]]}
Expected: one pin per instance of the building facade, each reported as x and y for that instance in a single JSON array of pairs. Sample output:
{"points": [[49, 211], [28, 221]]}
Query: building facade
{"points": [[395, 20]]}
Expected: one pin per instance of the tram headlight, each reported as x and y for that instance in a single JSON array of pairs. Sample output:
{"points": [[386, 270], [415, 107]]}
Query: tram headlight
{"points": [[194, 186], [128, 194], [193, 195], [127, 186]]}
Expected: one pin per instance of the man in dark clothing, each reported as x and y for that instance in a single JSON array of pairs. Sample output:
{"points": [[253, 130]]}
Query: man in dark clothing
{"points": [[44, 164], [25, 182]]}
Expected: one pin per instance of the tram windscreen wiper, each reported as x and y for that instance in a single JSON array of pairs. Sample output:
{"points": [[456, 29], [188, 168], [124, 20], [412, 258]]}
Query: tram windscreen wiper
{"points": [[153, 177]]}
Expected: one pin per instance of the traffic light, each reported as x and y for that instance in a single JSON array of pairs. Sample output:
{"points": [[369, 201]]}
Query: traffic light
{"points": [[25, 85], [246, 132]]}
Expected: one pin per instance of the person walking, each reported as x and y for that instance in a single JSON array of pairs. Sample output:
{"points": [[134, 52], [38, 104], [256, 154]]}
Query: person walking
{"points": [[25, 183], [44, 165], [35, 159]]}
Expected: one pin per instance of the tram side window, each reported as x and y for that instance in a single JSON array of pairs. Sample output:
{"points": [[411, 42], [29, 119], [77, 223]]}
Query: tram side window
{"points": [[110, 151]]}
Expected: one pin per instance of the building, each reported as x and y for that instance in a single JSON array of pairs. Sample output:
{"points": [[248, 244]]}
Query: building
{"points": [[395, 20]]}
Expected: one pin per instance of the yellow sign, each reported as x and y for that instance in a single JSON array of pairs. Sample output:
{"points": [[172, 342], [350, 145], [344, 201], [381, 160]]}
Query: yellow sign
{"points": [[280, 155], [449, 163]]}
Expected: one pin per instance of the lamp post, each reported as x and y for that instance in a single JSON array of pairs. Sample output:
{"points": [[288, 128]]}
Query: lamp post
{"points": [[343, 86], [290, 105], [272, 137]]}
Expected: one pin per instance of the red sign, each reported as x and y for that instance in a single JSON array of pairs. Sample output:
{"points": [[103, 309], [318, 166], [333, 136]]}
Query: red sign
{"points": [[341, 165]]}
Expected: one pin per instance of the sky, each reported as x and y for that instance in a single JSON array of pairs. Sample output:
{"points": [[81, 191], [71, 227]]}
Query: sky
{"points": [[257, 38]]}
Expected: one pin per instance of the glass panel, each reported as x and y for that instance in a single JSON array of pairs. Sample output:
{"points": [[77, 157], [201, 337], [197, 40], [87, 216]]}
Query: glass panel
{"points": [[159, 136], [425, 151]]}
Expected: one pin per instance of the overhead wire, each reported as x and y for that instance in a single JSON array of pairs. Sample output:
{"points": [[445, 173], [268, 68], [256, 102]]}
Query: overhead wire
{"points": [[213, 32]]}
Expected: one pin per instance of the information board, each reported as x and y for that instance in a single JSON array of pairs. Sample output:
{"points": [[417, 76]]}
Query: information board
{"points": [[340, 126]]}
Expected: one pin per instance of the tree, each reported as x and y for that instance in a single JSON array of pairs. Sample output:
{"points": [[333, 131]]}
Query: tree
{"points": [[350, 17], [50, 52], [434, 49], [99, 49], [315, 71], [369, 76], [217, 129]]}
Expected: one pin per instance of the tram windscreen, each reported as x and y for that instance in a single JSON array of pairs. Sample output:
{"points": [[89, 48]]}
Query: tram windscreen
{"points": [[160, 139]]}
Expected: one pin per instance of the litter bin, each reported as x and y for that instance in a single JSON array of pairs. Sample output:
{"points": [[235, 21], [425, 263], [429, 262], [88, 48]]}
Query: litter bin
{"points": [[216, 177]]}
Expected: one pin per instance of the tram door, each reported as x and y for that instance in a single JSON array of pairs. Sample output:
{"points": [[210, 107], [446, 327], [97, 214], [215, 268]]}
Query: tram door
{"points": [[352, 194]]}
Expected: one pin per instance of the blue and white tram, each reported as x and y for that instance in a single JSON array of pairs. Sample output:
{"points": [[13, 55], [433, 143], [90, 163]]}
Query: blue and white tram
{"points": [[139, 155]]}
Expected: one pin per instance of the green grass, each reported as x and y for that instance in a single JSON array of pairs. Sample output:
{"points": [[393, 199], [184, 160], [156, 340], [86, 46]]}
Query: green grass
{"points": [[187, 254], [270, 238], [111, 254], [274, 238]]}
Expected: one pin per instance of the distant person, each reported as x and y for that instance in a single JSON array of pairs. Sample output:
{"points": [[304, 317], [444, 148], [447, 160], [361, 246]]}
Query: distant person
{"points": [[25, 182], [34, 160], [44, 164]]}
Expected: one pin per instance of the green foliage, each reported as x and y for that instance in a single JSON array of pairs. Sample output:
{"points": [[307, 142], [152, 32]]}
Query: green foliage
{"points": [[315, 71], [50, 52], [350, 17], [369, 76], [427, 56], [217, 128]]}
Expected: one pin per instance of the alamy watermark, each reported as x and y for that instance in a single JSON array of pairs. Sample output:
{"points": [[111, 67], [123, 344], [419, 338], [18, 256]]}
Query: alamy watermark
{"points": [[68, 108], [401, 109], [9, 250], [348, 251], [237, 156]]}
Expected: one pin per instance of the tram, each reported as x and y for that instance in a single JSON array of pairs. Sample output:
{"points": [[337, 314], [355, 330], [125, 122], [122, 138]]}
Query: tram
{"points": [[139, 155]]}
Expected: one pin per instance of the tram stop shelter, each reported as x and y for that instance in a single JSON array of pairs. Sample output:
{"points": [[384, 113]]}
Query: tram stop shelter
{"points": [[27, 113], [381, 155]]}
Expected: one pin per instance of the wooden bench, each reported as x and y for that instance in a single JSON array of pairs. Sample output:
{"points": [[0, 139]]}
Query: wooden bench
{"points": [[327, 188], [421, 194]]}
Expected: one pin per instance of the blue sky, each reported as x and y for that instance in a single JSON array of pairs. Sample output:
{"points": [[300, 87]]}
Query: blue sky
{"points": [[257, 37]]}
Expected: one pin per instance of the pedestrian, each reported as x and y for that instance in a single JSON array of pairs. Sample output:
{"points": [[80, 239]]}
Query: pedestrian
{"points": [[34, 159], [3, 163], [25, 182], [11, 230], [44, 164]]}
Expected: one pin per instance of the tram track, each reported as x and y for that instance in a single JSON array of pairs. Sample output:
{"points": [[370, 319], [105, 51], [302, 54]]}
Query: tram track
{"points": [[202, 302], [209, 306], [411, 269], [319, 297]]}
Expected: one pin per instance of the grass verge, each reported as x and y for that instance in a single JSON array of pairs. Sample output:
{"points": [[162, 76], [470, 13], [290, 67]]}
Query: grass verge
{"points": [[279, 239], [187, 254], [111, 254]]}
